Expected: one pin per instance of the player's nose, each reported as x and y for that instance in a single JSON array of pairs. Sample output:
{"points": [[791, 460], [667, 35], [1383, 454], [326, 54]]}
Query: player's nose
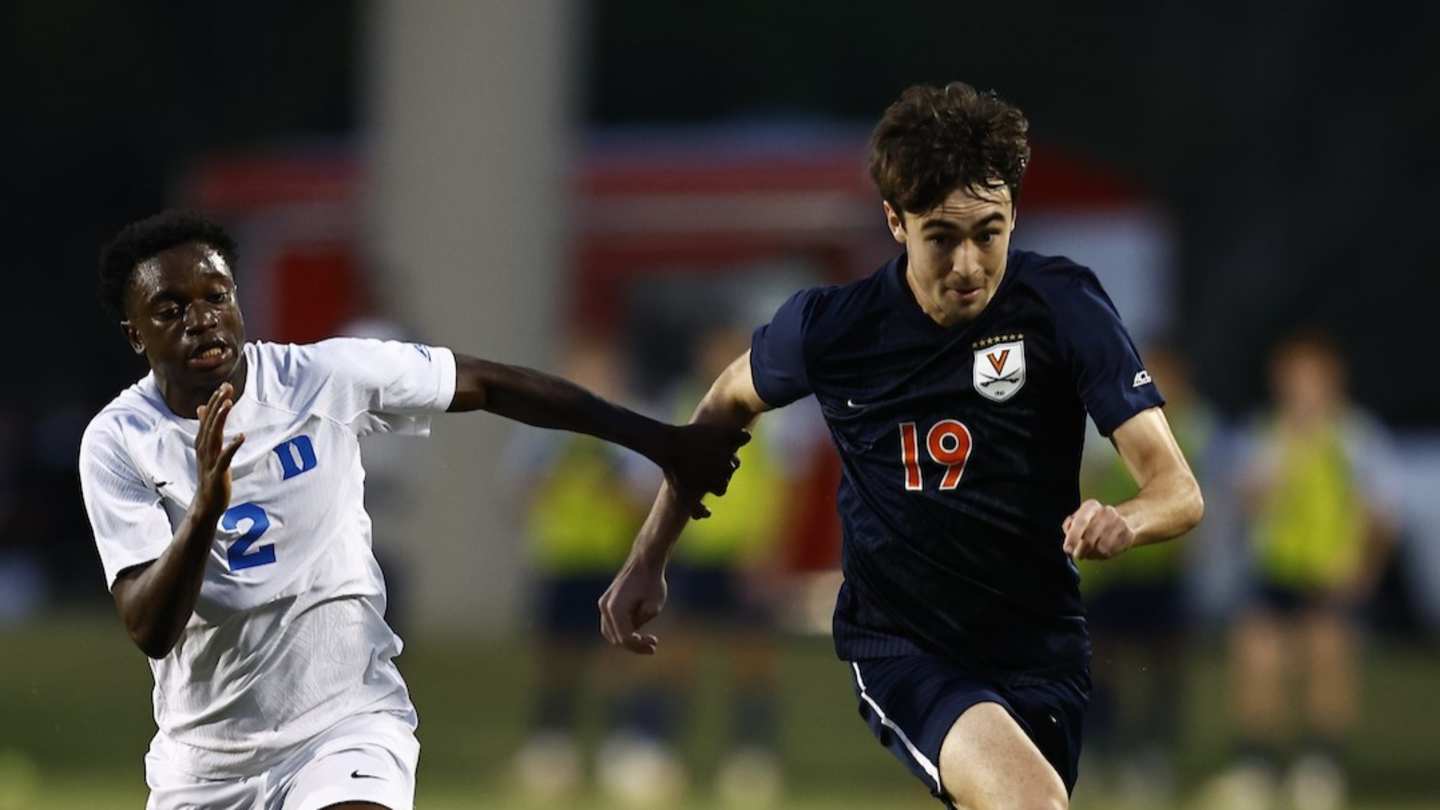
{"points": [[966, 262], [200, 318]]}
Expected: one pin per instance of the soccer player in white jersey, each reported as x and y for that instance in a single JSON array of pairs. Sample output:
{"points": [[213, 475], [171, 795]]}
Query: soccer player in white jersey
{"points": [[226, 495]]}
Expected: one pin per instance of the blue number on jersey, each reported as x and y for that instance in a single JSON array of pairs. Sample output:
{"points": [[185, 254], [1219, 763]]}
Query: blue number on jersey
{"points": [[300, 459], [239, 554]]}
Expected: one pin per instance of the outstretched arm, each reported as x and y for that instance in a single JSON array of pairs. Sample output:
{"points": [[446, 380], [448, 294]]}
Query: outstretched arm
{"points": [[696, 459], [1169, 502], [638, 593], [156, 599]]}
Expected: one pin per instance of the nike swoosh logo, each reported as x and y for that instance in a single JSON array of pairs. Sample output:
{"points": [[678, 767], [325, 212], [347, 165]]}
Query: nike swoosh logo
{"points": [[359, 775], [852, 403]]}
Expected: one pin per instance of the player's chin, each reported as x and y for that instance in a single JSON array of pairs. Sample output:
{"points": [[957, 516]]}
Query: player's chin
{"points": [[198, 375], [968, 311]]}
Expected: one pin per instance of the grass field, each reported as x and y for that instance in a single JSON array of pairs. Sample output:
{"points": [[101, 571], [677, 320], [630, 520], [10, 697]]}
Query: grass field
{"points": [[75, 719]]}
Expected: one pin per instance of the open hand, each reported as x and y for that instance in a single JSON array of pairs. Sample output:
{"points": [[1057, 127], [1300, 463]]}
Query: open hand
{"points": [[1096, 532], [634, 599], [212, 455], [700, 459]]}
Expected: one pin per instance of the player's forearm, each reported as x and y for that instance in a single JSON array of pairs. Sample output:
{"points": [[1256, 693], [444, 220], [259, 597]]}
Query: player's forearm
{"points": [[668, 516], [1167, 506], [545, 401], [157, 602]]}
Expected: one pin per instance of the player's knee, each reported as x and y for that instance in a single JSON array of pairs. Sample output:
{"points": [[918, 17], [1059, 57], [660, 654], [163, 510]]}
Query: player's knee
{"points": [[1022, 791], [1027, 800], [1043, 799], [1050, 800]]}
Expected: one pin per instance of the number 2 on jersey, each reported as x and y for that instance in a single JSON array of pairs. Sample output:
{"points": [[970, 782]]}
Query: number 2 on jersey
{"points": [[239, 554], [948, 444]]}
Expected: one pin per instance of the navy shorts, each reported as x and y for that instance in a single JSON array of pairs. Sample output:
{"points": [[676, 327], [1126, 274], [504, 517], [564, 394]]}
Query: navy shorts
{"points": [[713, 595], [911, 702], [567, 605], [1291, 602]]}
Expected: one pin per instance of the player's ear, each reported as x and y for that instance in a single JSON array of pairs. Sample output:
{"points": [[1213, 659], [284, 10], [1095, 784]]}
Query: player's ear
{"points": [[895, 221], [132, 336]]}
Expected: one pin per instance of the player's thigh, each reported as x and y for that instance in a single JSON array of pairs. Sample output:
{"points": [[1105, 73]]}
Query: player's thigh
{"points": [[1329, 639], [987, 762], [219, 795], [173, 789], [366, 763], [1260, 643]]}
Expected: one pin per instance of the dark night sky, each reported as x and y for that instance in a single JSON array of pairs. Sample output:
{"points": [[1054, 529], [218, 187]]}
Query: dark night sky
{"points": [[1293, 148]]}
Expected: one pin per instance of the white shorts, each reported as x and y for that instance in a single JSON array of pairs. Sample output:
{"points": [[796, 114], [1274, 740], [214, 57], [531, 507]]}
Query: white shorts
{"points": [[367, 758]]}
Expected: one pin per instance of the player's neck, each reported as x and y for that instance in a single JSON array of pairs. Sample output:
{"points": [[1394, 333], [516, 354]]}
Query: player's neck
{"points": [[183, 401]]}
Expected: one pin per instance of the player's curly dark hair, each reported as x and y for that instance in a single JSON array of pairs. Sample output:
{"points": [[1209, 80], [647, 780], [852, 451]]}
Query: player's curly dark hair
{"points": [[934, 140], [140, 241]]}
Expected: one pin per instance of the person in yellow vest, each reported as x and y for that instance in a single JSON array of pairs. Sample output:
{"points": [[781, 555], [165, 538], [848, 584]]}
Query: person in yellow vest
{"points": [[1320, 500], [579, 508], [1135, 607], [722, 583]]}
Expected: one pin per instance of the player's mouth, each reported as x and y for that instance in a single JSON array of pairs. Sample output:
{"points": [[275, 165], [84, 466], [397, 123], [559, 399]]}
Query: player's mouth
{"points": [[210, 355], [964, 295]]}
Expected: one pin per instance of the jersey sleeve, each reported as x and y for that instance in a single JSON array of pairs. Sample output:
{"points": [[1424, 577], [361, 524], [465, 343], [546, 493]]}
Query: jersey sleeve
{"points": [[1105, 365], [129, 524], [1372, 456], [388, 385], [777, 352]]}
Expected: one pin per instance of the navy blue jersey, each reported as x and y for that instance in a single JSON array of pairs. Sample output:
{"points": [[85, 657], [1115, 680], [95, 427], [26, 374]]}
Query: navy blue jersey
{"points": [[961, 452]]}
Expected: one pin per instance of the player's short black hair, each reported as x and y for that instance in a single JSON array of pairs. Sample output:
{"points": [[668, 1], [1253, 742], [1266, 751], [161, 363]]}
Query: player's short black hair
{"points": [[142, 240], [934, 140]]}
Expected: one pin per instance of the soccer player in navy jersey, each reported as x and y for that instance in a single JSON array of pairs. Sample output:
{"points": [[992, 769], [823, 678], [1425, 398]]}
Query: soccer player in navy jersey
{"points": [[955, 381]]}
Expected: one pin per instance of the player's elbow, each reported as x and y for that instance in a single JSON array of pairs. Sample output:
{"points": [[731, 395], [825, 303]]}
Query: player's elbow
{"points": [[153, 646], [1192, 504], [152, 639], [156, 652], [153, 643], [732, 399]]}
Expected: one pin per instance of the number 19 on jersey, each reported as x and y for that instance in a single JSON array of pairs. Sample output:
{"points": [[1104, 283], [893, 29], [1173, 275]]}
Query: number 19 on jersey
{"points": [[948, 444]]}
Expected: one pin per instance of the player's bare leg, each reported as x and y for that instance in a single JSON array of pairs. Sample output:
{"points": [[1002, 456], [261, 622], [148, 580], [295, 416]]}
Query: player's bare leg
{"points": [[1317, 779], [1257, 685], [1330, 661], [987, 763], [1258, 678]]}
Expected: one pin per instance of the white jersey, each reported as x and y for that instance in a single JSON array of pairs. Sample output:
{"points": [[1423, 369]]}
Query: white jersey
{"points": [[288, 635]]}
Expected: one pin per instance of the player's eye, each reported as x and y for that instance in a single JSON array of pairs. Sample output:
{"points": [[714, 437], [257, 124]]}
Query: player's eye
{"points": [[167, 313], [219, 297], [986, 238]]}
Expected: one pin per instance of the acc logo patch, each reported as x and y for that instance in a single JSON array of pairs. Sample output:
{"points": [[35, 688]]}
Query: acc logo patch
{"points": [[999, 370]]}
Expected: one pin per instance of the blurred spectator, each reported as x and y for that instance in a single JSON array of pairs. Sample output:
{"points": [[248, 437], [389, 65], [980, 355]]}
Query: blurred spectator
{"points": [[582, 509], [1318, 492], [722, 597], [723, 583], [23, 584], [1135, 605]]}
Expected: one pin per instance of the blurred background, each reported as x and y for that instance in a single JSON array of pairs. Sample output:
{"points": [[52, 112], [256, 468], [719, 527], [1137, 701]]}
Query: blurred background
{"points": [[621, 191]]}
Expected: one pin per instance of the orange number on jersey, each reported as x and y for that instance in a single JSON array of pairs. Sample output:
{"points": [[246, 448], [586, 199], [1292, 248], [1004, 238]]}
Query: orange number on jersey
{"points": [[910, 456], [949, 445]]}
